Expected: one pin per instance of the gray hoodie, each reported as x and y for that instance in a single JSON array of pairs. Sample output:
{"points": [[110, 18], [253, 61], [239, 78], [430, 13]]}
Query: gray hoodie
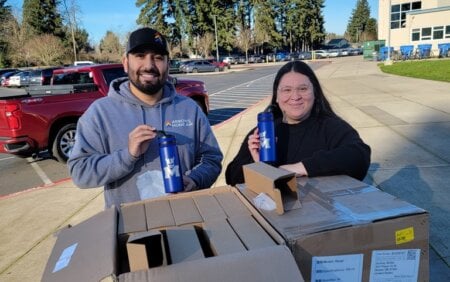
{"points": [[100, 156]]}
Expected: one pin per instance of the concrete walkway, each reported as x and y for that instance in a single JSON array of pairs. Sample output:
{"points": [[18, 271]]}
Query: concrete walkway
{"points": [[405, 121]]}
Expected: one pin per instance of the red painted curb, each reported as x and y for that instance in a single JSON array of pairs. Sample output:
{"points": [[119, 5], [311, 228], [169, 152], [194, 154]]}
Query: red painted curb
{"points": [[34, 189]]}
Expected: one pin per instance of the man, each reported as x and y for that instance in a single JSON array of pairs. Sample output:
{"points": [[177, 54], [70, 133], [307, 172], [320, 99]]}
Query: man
{"points": [[116, 142]]}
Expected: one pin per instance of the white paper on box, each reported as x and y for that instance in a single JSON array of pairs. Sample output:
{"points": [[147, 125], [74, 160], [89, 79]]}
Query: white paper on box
{"points": [[65, 257], [395, 265], [337, 268]]}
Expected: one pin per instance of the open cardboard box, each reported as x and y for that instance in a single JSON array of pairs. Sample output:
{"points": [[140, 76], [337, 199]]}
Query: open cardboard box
{"points": [[350, 230], [207, 235], [279, 184]]}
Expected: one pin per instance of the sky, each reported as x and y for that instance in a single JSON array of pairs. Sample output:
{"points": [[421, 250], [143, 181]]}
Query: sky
{"points": [[99, 16]]}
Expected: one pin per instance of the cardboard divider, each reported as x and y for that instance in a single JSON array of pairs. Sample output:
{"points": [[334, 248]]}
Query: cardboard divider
{"points": [[279, 184], [221, 237], [146, 250]]}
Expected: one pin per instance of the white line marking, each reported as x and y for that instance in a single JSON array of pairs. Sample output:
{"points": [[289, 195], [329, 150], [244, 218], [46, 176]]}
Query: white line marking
{"points": [[7, 158], [39, 172], [242, 84]]}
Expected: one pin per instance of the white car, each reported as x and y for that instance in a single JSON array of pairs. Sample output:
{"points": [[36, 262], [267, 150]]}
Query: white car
{"points": [[320, 54], [20, 79]]}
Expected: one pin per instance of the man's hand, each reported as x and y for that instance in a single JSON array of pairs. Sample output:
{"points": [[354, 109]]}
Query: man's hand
{"points": [[189, 184], [139, 139]]}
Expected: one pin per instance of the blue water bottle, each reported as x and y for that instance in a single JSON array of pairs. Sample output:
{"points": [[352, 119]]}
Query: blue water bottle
{"points": [[170, 164], [266, 128]]}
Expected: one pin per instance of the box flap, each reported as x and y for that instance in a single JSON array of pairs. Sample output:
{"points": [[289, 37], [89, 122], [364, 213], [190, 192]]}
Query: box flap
{"points": [[132, 218], [250, 232], [185, 211], [159, 214], [231, 204], [272, 264], [86, 251], [278, 184], [222, 239], [209, 208]]}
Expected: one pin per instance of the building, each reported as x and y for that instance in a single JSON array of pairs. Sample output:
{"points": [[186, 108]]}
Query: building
{"points": [[407, 22]]}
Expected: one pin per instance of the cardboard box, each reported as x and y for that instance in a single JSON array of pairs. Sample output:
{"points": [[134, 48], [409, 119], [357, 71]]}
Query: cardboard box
{"points": [[279, 184], [132, 243], [346, 227]]}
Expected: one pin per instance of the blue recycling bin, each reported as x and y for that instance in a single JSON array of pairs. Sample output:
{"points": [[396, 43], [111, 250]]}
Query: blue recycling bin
{"points": [[444, 50], [406, 51], [384, 53], [424, 50]]}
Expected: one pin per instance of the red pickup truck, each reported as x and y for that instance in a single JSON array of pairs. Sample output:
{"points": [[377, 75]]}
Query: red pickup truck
{"points": [[45, 118]]}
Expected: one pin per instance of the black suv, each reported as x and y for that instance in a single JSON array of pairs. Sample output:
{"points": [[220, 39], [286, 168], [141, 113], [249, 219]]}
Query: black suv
{"points": [[41, 76]]}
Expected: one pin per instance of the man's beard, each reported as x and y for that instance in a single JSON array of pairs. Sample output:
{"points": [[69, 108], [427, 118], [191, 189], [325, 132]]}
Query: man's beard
{"points": [[148, 88]]}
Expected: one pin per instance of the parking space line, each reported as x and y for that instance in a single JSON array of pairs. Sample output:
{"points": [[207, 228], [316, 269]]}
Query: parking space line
{"points": [[39, 172]]}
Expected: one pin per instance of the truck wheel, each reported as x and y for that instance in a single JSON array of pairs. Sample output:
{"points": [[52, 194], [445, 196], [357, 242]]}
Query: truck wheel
{"points": [[64, 141]]}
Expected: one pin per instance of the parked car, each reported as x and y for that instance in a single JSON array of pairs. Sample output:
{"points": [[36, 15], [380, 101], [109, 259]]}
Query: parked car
{"points": [[334, 53], [41, 76], [255, 59], [229, 60], [320, 54], [221, 65], [281, 56], [174, 66], [4, 78], [2, 71], [20, 79], [304, 55], [198, 66]]}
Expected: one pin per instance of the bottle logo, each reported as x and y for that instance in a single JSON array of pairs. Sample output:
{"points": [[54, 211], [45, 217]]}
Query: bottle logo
{"points": [[265, 141], [171, 169]]}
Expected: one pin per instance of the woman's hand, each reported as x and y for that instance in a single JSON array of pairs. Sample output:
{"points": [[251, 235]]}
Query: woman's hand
{"points": [[298, 168], [254, 145]]}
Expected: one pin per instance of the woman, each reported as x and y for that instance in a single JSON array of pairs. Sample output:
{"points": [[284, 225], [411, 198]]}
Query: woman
{"points": [[311, 139]]}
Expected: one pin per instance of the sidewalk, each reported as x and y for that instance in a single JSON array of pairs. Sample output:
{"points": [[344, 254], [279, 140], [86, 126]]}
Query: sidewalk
{"points": [[405, 121]]}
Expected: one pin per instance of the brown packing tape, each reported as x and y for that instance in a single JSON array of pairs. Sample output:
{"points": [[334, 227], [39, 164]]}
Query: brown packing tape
{"points": [[278, 184]]}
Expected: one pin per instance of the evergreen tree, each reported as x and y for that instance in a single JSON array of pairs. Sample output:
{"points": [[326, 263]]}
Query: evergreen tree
{"points": [[110, 48], [153, 14], [358, 22], [5, 16], [41, 17], [265, 31]]}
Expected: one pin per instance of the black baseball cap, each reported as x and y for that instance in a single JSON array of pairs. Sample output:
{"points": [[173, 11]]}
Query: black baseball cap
{"points": [[147, 38]]}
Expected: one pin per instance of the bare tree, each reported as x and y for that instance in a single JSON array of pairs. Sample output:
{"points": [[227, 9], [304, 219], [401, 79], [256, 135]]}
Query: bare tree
{"points": [[205, 44], [244, 41], [12, 34], [45, 50]]}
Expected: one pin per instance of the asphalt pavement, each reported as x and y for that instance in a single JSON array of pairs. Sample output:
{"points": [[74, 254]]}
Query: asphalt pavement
{"points": [[406, 122]]}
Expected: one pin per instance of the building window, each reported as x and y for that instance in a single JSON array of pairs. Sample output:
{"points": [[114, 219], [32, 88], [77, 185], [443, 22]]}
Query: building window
{"points": [[399, 11], [447, 31], [438, 32], [415, 34], [426, 33], [417, 5]]}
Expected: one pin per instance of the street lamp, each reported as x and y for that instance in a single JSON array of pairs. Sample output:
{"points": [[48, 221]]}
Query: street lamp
{"points": [[215, 33]]}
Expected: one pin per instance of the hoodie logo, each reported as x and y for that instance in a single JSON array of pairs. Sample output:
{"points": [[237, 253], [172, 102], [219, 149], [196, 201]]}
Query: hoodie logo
{"points": [[178, 123]]}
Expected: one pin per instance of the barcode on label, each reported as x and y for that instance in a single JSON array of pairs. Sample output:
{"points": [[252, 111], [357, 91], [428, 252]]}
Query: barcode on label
{"points": [[411, 255]]}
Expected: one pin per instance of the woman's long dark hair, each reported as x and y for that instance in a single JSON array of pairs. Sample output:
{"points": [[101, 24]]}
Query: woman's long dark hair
{"points": [[321, 107]]}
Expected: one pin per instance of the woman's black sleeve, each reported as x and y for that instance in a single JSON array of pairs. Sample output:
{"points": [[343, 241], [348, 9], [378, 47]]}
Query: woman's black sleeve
{"points": [[234, 173]]}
